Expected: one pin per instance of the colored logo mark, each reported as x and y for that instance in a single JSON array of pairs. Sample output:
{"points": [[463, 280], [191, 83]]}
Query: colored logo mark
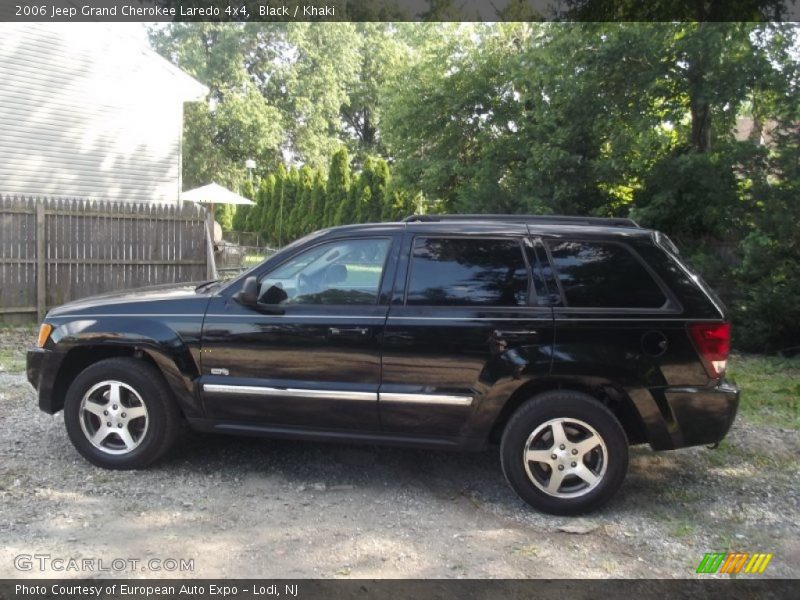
{"points": [[734, 562]]}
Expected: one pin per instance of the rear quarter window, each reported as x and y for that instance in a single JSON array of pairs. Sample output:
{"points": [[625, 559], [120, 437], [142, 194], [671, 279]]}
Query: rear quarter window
{"points": [[604, 275]]}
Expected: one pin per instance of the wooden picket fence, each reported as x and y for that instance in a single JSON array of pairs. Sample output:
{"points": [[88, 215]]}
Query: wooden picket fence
{"points": [[56, 250]]}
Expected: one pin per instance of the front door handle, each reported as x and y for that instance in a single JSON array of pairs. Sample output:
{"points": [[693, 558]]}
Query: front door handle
{"points": [[349, 332]]}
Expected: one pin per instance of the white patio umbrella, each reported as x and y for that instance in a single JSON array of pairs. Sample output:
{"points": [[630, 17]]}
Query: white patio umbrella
{"points": [[214, 194]]}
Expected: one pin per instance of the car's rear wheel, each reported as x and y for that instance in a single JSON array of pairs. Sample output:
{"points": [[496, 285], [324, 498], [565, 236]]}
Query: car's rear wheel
{"points": [[120, 414], [564, 453]]}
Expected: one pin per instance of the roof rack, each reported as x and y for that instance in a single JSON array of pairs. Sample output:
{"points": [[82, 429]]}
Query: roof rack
{"points": [[541, 219]]}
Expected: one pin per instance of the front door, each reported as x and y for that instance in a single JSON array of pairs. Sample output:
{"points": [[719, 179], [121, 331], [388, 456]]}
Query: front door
{"points": [[309, 355]]}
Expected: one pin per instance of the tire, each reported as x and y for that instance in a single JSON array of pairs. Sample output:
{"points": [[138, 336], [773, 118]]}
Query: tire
{"points": [[592, 464], [134, 399]]}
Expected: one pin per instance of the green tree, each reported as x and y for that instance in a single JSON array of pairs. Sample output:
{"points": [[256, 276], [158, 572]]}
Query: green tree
{"points": [[266, 203], [304, 88], [346, 213], [291, 200], [373, 177], [300, 220], [338, 186], [313, 86], [223, 214], [276, 209], [237, 122], [319, 204], [242, 211]]}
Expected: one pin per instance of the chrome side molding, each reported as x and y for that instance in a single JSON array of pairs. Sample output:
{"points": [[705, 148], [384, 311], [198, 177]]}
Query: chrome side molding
{"points": [[404, 398], [434, 399], [254, 390]]}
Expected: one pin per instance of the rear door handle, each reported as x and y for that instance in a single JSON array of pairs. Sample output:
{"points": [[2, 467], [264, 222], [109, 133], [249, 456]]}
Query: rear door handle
{"points": [[351, 332], [516, 334]]}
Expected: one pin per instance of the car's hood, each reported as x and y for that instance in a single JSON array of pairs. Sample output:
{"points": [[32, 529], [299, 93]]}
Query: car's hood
{"points": [[169, 297]]}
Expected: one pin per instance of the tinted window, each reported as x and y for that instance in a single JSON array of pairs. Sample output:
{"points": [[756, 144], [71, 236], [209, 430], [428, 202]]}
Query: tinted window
{"points": [[466, 272], [603, 275], [544, 280], [340, 272]]}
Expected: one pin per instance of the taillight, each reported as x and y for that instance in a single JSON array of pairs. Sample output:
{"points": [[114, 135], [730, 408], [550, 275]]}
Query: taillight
{"points": [[713, 342]]}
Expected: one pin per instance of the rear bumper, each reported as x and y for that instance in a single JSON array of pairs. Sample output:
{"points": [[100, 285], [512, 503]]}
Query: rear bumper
{"points": [[697, 415], [41, 368]]}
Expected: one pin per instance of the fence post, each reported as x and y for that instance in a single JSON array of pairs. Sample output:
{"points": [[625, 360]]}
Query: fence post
{"points": [[41, 246], [211, 267]]}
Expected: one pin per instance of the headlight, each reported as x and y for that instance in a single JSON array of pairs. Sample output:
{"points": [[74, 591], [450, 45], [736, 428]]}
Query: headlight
{"points": [[44, 333]]}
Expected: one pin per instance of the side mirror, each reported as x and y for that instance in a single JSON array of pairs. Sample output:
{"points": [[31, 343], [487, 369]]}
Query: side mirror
{"points": [[274, 295], [248, 295]]}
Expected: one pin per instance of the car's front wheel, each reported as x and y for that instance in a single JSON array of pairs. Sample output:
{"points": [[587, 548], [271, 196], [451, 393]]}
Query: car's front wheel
{"points": [[120, 414], [564, 453]]}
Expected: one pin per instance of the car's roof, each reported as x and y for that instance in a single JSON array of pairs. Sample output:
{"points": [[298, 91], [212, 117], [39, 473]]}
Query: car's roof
{"points": [[505, 224]]}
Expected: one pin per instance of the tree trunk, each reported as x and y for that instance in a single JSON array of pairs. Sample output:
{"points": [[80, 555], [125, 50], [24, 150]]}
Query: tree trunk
{"points": [[701, 125], [699, 106]]}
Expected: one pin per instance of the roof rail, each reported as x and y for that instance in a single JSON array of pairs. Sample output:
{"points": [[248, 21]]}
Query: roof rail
{"points": [[541, 219]]}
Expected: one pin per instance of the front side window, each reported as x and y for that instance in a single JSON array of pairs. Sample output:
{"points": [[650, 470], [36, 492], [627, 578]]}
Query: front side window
{"points": [[467, 272], [604, 275], [338, 272]]}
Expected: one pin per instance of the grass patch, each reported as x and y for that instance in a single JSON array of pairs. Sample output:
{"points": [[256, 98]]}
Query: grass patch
{"points": [[682, 529], [251, 260], [729, 454], [12, 359], [14, 343], [531, 551], [770, 389]]}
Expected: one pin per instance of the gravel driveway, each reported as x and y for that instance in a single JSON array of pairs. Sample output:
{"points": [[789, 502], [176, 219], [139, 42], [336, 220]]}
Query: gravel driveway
{"points": [[244, 507]]}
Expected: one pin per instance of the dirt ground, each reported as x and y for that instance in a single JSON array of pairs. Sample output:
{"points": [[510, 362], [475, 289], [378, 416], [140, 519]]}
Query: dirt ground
{"points": [[243, 507]]}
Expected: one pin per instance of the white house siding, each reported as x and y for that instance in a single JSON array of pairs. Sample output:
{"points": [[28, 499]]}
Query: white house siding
{"points": [[89, 111]]}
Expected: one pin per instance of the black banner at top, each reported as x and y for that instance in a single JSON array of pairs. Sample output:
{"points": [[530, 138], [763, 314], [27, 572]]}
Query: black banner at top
{"points": [[397, 10]]}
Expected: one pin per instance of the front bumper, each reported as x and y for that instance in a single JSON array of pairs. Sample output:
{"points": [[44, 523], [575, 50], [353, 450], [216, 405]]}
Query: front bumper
{"points": [[33, 366], [700, 415], [41, 368]]}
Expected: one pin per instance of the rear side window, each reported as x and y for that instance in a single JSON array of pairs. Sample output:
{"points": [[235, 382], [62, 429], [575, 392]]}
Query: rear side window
{"points": [[604, 275], [467, 272]]}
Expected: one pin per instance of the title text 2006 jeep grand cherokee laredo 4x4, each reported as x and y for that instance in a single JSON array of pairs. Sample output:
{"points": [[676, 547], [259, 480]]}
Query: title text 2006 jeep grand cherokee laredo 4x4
{"points": [[564, 339]]}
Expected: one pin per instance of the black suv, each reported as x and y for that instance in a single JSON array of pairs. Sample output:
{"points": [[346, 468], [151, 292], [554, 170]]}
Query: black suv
{"points": [[562, 339]]}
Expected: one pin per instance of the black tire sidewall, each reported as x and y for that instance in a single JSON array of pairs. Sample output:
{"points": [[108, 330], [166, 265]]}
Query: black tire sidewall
{"points": [[564, 404], [149, 385]]}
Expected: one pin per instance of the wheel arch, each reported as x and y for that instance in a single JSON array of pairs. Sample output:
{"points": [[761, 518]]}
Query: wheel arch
{"points": [[604, 392], [81, 356]]}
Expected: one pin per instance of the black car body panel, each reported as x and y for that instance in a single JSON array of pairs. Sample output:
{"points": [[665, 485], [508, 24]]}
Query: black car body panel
{"points": [[400, 372], [164, 323]]}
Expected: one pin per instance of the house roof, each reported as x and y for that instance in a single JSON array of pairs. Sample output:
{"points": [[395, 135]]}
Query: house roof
{"points": [[193, 89], [108, 56]]}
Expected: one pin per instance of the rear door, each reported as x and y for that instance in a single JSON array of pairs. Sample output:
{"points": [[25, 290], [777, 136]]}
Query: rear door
{"points": [[463, 330]]}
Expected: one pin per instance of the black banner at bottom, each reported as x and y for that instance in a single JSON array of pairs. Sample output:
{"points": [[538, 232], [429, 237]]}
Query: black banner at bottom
{"points": [[393, 589]]}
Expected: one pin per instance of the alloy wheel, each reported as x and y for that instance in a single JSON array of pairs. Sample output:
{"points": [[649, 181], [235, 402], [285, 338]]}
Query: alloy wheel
{"points": [[113, 417], [565, 457]]}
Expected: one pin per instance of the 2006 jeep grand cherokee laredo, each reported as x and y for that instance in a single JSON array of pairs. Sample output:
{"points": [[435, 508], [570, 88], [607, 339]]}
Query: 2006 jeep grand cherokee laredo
{"points": [[564, 339]]}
